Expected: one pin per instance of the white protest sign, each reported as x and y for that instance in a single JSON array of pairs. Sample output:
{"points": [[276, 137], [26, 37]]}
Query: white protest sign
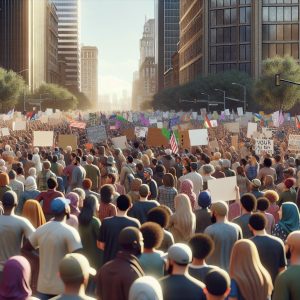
{"points": [[141, 132], [294, 142], [233, 127], [43, 138], [214, 123], [240, 111], [267, 132], [44, 119], [5, 131], [96, 134], [227, 112], [152, 120], [252, 127], [222, 189], [120, 142], [264, 146], [194, 115], [198, 137], [160, 124], [49, 111], [20, 125]]}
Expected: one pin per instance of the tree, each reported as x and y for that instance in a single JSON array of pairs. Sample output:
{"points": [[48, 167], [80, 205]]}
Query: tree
{"points": [[202, 87], [280, 97], [84, 102], [54, 96], [12, 86]]}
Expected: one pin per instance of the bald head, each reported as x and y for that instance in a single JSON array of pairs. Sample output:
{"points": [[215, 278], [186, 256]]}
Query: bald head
{"points": [[293, 244]]}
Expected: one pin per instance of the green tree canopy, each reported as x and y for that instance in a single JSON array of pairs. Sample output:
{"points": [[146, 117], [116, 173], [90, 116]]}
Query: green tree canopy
{"points": [[84, 102], [54, 96], [199, 89], [12, 86], [284, 96]]}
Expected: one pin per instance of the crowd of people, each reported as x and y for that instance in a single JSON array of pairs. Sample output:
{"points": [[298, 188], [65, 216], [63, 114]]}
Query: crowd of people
{"points": [[139, 223]]}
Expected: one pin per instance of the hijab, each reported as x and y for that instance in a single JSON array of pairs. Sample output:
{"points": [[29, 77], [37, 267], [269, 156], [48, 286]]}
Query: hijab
{"points": [[74, 200], [4, 179], [15, 284], [30, 184], [187, 188], [290, 220], [32, 211]]}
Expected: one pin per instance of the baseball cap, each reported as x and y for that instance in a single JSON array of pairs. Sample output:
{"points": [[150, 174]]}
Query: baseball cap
{"points": [[180, 253], [204, 199], [194, 166], [9, 199], [149, 171], [220, 207], [75, 266], [90, 157], [168, 151], [256, 182], [58, 205], [217, 282]]}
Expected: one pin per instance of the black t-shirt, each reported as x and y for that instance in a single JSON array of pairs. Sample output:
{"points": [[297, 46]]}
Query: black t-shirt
{"points": [[140, 209], [271, 253], [109, 234], [200, 272], [178, 287]]}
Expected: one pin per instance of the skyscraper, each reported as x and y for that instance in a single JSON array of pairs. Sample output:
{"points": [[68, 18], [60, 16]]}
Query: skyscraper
{"points": [[167, 36], [69, 40], [89, 73], [23, 39]]}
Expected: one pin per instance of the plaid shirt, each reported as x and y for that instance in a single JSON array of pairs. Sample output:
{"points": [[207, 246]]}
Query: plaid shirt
{"points": [[166, 196]]}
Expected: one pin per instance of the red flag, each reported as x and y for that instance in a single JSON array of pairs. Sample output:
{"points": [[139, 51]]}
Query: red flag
{"points": [[80, 125], [173, 143], [297, 122], [207, 122]]}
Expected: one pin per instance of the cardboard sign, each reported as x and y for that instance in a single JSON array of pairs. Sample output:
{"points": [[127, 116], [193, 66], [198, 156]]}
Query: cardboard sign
{"points": [[198, 137], [141, 132], [222, 189], [155, 138], [96, 134], [44, 119], [232, 127], [294, 142], [252, 127], [65, 140], [130, 133], [5, 131], [264, 146], [184, 139], [20, 125], [235, 141], [120, 142], [43, 138]]}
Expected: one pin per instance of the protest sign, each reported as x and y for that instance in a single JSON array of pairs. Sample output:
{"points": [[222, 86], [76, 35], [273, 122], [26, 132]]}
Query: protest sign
{"points": [[155, 138], [294, 142], [227, 112], [198, 137], [5, 131], [44, 119], [49, 111], [65, 140], [130, 133], [160, 125], [120, 142], [20, 125], [214, 145], [222, 189], [240, 111], [252, 127], [96, 134], [152, 120], [264, 146], [43, 138], [267, 132], [141, 132], [184, 139], [233, 127]]}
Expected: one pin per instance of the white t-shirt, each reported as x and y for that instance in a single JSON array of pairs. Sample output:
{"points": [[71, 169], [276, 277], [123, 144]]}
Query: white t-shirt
{"points": [[54, 240], [12, 230]]}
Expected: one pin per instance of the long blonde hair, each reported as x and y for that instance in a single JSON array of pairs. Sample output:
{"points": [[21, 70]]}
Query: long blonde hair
{"points": [[184, 218], [252, 279]]}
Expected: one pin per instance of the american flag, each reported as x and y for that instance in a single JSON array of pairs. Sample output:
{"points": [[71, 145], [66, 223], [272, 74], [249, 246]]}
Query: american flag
{"points": [[173, 143], [76, 124]]}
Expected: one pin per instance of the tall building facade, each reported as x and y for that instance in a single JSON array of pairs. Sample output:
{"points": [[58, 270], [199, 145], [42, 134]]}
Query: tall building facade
{"points": [[89, 73], [68, 12], [166, 35], [235, 35], [23, 39]]}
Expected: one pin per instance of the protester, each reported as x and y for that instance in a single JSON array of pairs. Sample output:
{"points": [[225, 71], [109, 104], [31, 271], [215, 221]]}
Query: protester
{"points": [[145, 287], [203, 214], [273, 209], [133, 194], [16, 185], [167, 191], [186, 188], [87, 186], [32, 211], [4, 184], [44, 175], [255, 188], [148, 173], [262, 206], [288, 193], [93, 173]]}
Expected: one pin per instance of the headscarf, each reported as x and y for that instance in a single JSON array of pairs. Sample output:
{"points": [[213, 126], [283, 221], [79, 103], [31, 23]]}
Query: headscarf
{"points": [[33, 211], [186, 187], [30, 184], [74, 198], [290, 220], [15, 284], [145, 287], [4, 179]]}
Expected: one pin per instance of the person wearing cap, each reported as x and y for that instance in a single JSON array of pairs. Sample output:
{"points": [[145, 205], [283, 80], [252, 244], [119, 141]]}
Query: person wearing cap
{"points": [[146, 287], [217, 285], [203, 214], [44, 175], [141, 207], [111, 165], [12, 229], [289, 193], [127, 173], [93, 173], [248, 205], [287, 173], [148, 174], [287, 285], [255, 188], [267, 169], [74, 271], [224, 235], [115, 278], [78, 174], [270, 249], [179, 284], [48, 196], [111, 228], [54, 240]]}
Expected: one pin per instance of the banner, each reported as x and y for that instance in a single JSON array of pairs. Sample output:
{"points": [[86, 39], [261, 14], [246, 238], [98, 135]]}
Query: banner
{"points": [[294, 142], [43, 138], [198, 137], [222, 189], [155, 138], [96, 134], [20, 125], [264, 146]]}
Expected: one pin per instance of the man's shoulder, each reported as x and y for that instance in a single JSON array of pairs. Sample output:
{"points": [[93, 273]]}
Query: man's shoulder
{"points": [[272, 240]]}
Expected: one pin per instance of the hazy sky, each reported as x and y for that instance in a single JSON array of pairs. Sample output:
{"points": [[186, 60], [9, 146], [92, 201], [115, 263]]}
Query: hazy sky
{"points": [[115, 27]]}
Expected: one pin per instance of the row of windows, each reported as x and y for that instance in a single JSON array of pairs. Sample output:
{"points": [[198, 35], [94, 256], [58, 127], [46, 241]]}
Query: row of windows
{"points": [[192, 14], [172, 4], [281, 14], [243, 67], [222, 3], [271, 50], [287, 32], [172, 20], [229, 16], [229, 53], [191, 52], [192, 30], [229, 35], [280, 1], [191, 72]]}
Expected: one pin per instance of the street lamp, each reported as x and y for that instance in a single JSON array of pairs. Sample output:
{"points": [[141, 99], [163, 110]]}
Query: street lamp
{"points": [[224, 96], [245, 93]]}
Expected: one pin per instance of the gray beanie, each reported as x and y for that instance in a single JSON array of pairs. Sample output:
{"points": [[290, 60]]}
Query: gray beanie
{"points": [[145, 288]]}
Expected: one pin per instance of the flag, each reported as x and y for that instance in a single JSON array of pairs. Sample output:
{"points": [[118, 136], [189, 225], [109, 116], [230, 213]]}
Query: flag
{"points": [[80, 125], [173, 143], [207, 123], [297, 122], [257, 117], [10, 114]]}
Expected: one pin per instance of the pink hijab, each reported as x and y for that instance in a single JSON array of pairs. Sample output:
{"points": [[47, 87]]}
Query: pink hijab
{"points": [[187, 187]]}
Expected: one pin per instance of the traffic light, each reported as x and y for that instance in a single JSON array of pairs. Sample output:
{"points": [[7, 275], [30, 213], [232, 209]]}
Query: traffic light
{"points": [[277, 79]]}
